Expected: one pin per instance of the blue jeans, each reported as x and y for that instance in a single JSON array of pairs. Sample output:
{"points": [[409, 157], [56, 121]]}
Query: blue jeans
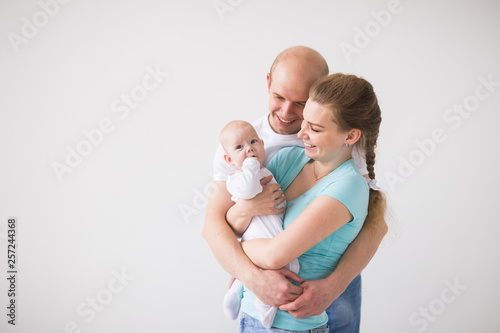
{"points": [[249, 324], [344, 314]]}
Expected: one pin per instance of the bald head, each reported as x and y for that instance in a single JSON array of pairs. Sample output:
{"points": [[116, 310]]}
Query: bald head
{"points": [[227, 135], [240, 141], [292, 75], [303, 61]]}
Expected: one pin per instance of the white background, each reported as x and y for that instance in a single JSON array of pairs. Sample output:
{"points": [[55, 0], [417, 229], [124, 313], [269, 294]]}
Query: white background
{"points": [[135, 203]]}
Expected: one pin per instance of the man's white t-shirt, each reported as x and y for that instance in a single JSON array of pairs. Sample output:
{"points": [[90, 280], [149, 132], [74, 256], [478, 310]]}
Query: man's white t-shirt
{"points": [[273, 142]]}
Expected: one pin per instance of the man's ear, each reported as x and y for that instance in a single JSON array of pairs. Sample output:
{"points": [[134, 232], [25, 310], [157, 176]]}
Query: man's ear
{"points": [[353, 136], [268, 82], [228, 159]]}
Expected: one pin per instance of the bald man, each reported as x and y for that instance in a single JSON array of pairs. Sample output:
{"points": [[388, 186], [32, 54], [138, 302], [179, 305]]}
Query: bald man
{"points": [[291, 76]]}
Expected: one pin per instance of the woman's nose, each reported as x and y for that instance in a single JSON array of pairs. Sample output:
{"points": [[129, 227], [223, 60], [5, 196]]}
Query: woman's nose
{"points": [[301, 133]]}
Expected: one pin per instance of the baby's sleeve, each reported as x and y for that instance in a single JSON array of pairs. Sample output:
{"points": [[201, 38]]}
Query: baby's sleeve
{"points": [[245, 184]]}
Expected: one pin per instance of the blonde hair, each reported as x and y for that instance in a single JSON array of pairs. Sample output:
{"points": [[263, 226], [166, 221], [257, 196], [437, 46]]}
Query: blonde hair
{"points": [[354, 105]]}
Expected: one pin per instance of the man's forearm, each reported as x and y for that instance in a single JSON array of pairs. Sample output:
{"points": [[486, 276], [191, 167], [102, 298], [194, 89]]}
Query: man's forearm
{"points": [[359, 253], [220, 237], [239, 218], [270, 286]]}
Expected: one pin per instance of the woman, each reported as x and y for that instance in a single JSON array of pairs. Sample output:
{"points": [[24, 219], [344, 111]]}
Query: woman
{"points": [[328, 199]]}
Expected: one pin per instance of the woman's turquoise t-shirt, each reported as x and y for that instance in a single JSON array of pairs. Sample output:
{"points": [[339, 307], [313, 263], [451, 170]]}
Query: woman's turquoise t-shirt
{"points": [[344, 184]]}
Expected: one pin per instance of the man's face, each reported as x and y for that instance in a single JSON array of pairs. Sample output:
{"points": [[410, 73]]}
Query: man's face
{"points": [[288, 93]]}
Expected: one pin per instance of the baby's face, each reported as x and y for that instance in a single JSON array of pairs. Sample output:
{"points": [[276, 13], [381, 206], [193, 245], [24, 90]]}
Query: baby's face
{"points": [[242, 144]]}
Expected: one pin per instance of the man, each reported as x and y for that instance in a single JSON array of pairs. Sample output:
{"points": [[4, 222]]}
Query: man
{"points": [[290, 78]]}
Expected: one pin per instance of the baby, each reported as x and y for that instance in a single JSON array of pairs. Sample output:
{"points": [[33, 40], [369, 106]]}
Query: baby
{"points": [[245, 151]]}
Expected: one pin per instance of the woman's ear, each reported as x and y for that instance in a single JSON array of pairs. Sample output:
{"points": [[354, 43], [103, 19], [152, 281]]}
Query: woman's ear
{"points": [[353, 136], [228, 159]]}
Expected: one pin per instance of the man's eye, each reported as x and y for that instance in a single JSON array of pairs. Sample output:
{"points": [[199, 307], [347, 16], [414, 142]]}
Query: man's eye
{"points": [[301, 104]]}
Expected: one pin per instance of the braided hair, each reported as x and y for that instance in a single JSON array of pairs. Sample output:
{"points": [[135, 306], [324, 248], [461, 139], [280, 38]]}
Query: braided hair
{"points": [[354, 105]]}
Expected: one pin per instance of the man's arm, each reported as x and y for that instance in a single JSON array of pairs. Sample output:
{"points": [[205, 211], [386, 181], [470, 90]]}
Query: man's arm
{"points": [[240, 215], [318, 295], [270, 286]]}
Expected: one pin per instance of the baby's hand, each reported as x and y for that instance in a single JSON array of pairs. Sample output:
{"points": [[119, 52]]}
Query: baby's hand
{"points": [[251, 163]]}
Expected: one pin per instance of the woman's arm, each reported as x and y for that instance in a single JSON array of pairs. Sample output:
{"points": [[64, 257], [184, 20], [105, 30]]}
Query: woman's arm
{"points": [[323, 216], [318, 295], [270, 286]]}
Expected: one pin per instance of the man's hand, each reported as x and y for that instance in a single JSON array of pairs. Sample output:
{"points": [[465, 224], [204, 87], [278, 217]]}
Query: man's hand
{"points": [[240, 215], [317, 296], [273, 288], [266, 201]]}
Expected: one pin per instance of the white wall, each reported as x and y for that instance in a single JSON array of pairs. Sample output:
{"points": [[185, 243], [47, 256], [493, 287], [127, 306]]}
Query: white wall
{"points": [[119, 210]]}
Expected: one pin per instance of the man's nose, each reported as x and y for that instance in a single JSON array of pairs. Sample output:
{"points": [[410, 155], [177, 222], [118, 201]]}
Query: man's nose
{"points": [[286, 108]]}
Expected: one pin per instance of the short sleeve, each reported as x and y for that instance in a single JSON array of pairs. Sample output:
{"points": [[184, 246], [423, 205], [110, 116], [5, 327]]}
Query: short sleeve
{"points": [[275, 162], [286, 165], [352, 191]]}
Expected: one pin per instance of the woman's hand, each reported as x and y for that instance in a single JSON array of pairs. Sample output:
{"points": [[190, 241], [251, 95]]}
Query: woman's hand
{"points": [[264, 203]]}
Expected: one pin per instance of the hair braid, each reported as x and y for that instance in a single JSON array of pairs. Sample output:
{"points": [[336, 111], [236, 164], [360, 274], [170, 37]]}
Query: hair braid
{"points": [[353, 104]]}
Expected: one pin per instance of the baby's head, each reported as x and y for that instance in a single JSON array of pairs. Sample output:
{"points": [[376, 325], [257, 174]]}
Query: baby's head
{"points": [[239, 140]]}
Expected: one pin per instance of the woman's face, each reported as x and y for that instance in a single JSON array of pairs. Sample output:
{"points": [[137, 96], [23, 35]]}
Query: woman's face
{"points": [[323, 138]]}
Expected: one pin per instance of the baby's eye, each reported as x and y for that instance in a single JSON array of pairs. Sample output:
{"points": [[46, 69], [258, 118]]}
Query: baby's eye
{"points": [[253, 141], [239, 146]]}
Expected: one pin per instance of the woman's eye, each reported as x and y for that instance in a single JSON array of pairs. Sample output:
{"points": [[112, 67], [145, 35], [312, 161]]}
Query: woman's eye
{"points": [[312, 129]]}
